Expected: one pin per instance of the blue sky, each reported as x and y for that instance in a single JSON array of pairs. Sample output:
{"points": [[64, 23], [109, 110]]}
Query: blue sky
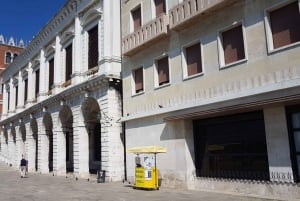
{"points": [[23, 19]]}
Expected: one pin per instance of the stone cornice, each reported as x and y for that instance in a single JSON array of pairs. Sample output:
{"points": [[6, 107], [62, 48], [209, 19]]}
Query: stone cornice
{"points": [[63, 17], [89, 85]]}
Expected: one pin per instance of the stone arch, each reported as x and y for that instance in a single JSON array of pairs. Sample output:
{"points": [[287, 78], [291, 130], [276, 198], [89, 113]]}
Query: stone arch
{"points": [[91, 15], [91, 114], [33, 146], [66, 121], [48, 139]]}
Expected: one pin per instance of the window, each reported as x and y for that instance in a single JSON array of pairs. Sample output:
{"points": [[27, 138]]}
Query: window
{"points": [[285, 25], [162, 67], [293, 120], [232, 43], [15, 55], [37, 82], [160, 7], [17, 95], [93, 53], [8, 58], [231, 147], [69, 61], [138, 80], [193, 59], [51, 74], [136, 18], [26, 90]]}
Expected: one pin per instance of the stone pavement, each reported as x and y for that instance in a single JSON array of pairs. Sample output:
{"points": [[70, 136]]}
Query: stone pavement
{"points": [[41, 187]]}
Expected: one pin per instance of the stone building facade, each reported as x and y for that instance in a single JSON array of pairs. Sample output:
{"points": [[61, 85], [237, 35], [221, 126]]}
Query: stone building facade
{"points": [[217, 83], [9, 50], [62, 95]]}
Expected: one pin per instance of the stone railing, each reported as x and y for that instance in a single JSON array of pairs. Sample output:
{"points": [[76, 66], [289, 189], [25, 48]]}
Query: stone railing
{"points": [[153, 29], [92, 72], [188, 9]]}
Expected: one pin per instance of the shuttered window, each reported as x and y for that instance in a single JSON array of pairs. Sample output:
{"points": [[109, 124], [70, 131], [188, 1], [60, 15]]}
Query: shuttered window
{"points": [[285, 25], [233, 45], [163, 71], [93, 48], [138, 80], [51, 73], [137, 18], [69, 61], [37, 82], [160, 7], [193, 59], [26, 90]]}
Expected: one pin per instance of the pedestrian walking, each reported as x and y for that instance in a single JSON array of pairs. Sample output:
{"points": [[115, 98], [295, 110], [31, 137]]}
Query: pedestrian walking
{"points": [[23, 166]]}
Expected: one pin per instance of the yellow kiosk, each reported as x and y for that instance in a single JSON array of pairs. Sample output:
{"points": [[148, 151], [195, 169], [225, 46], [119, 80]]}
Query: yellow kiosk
{"points": [[146, 177]]}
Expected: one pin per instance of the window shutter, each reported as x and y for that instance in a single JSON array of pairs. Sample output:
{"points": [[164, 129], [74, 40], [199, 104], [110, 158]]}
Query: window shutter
{"points": [[68, 62], [37, 81], [233, 45], [138, 76], [193, 59], [51, 73], [163, 71], [285, 25], [160, 7], [93, 47], [136, 16]]}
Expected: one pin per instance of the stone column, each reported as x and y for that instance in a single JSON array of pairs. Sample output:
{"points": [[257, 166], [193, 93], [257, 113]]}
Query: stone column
{"points": [[30, 147], [77, 51], [44, 76], [81, 145], [59, 142], [5, 101], [31, 84], [21, 92], [280, 166], [58, 69], [43, 147], [11, 95]]}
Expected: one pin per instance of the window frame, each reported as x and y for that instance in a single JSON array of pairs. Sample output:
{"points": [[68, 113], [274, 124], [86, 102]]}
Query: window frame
{"points": [[140, 5], [133, 83], [184, 60], [156, 76], [221, 52], [6, 54], [153, 9], [268, 31]]}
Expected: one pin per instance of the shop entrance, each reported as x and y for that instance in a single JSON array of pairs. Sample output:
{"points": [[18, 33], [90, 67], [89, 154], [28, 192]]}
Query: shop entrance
{"points": [[231, 147]]}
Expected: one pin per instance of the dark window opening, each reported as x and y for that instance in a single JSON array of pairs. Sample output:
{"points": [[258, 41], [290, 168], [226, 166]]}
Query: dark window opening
{"points": [[137, 18], [293, 121], [233, 45], [8, 58], [97, 138], [17, 95], [51, 74], [37, 82], [285, 25], [160, 7], [26, 90], [69, 62], [138, 80], [163, 71], [193, 59], [231, 147], [93, 53]]}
